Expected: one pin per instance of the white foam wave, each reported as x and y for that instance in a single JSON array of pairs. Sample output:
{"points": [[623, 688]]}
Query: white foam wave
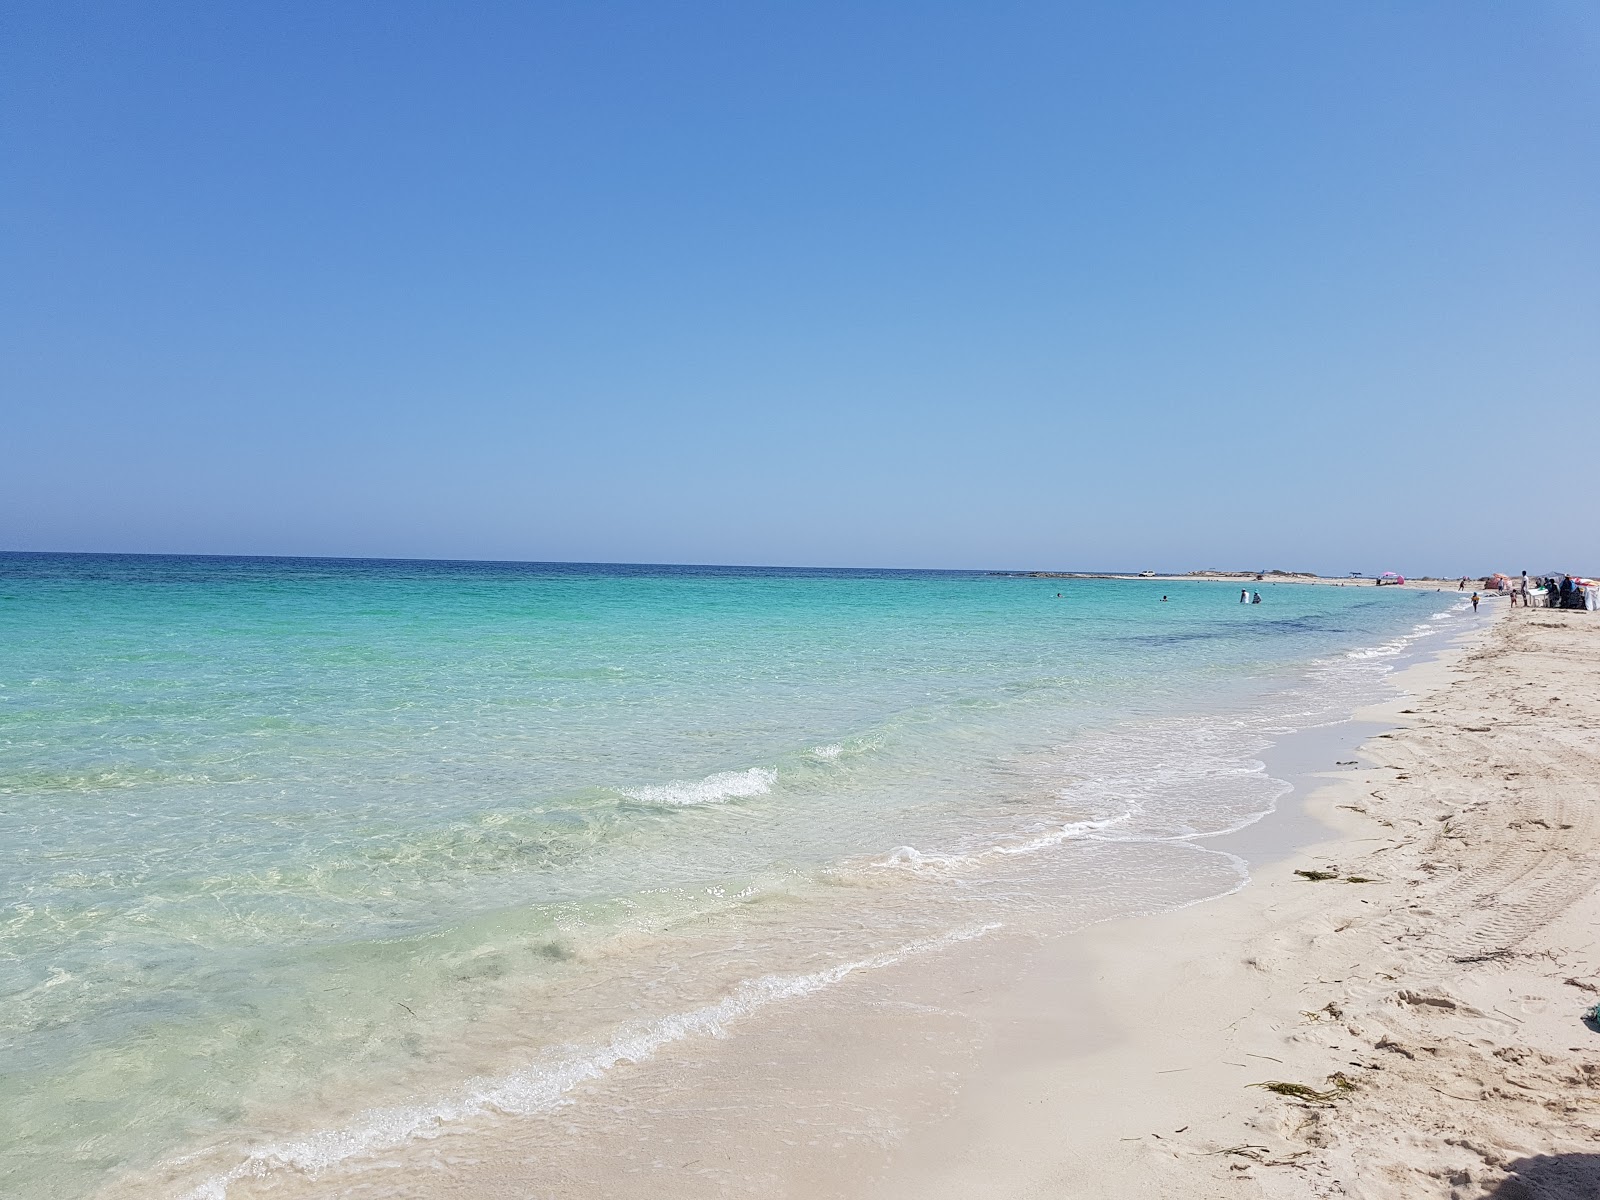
{"points": [[1386, 650], [911, 857], [544, 1087], [829, 752], [1403, 643], [724, 785]]}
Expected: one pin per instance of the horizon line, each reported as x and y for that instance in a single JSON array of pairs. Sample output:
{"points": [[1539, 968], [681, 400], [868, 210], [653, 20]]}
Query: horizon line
{"points": [[536, 562]]}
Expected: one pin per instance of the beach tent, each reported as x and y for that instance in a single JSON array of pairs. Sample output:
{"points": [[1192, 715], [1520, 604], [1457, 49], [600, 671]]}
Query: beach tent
{"points": [[1390, 577]]}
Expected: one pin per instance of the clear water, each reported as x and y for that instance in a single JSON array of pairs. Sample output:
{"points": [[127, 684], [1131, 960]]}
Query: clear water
{"points": [[286, 842]]}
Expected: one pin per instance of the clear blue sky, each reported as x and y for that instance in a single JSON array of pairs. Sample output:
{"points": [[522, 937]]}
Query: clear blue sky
{"points": [[919, 284]]}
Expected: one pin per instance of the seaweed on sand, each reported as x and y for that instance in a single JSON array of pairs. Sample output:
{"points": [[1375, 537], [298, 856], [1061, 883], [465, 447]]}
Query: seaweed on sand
{"points": [[1342, 1085]]}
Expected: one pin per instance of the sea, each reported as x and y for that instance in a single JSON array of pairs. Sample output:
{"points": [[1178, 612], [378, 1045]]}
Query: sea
{"points": [[306, 861]]}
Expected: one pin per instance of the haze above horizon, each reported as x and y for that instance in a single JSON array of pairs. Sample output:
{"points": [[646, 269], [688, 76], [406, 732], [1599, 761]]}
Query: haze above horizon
{"points": [[1021, 287]]}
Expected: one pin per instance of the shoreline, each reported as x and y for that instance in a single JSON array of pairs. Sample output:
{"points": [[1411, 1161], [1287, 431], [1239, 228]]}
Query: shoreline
{"points": [[1178, 995], [948, 1074], [1023, 1063], [1433, 1012]]}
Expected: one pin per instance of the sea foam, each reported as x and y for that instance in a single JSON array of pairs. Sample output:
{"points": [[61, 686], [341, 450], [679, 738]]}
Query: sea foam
{"points": [[912, 858], [713, 789]]}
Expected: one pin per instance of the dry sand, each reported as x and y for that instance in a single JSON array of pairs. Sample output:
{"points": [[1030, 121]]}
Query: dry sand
{"points": [[1436, 1010]]}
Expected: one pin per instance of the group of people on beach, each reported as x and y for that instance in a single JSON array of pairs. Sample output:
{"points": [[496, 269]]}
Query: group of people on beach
{"points": [[1550, 591], [1556, 591]]}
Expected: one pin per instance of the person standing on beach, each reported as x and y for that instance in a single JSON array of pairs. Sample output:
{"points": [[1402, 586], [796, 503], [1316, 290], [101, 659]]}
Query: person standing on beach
{"points": [[1474, 601]]}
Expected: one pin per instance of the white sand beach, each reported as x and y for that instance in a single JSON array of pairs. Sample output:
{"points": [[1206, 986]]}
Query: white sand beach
{"points": [[1435, 1009]]}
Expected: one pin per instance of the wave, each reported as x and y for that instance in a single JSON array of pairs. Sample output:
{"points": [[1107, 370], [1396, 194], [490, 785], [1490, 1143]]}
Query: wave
{"points": [[1401, 644], [544, 1087], [848, 748], [713, 789], [1386, 650], [736, 785], [911, 857]]}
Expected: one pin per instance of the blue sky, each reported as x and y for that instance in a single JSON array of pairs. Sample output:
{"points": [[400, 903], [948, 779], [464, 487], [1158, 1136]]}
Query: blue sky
{"points": [[1118, 285]]}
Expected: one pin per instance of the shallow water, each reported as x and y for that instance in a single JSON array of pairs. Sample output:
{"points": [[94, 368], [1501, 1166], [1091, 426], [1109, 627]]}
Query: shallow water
{"points": [[300, 859]]}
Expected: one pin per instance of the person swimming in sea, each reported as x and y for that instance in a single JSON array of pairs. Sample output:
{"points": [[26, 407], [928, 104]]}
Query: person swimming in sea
{"points": [[1256, 599]]}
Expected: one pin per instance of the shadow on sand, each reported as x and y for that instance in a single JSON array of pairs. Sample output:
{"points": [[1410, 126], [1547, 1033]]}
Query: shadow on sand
{"points": [[1550, 1177]]}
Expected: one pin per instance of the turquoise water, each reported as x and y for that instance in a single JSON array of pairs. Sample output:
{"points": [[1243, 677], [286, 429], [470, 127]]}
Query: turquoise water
{"points": [[286, 837]]}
